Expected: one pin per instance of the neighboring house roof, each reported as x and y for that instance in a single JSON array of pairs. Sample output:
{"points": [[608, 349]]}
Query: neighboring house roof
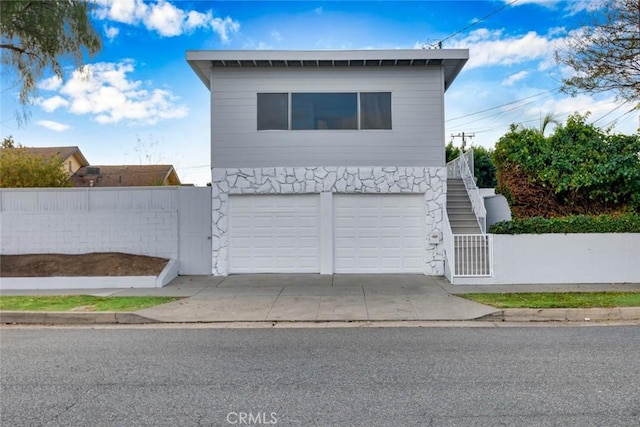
{"points": [[125, 176], [62, 152], [452, 60]]}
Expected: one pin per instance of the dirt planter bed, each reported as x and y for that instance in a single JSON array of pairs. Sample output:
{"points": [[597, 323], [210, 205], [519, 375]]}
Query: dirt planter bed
{"points": [[85, 271]]}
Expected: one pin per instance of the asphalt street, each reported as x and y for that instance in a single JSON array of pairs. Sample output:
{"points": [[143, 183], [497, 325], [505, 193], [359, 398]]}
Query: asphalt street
{"points": [[520, 376]]}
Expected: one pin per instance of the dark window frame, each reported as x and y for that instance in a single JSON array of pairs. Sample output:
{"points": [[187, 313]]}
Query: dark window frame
{"points": [[361, 123]]}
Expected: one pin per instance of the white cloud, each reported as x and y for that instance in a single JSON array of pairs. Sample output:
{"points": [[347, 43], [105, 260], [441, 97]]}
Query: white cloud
{"points": [[546, 3], [164, 18], [51, 104], [55, 126], [197, 20], [124, 11], [52, 83], [276, 36], [513, 78], [318, 10], [489, 48], [576, 6], [579, 104], [105, 92], [224, 26], [111, 32]]}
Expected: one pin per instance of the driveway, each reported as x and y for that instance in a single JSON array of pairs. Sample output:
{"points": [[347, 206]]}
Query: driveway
{"points": [[309, 297]]}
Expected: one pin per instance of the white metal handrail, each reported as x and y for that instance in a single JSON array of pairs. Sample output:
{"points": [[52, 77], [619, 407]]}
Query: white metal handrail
{"points": [[466, 173], [449, 253]]}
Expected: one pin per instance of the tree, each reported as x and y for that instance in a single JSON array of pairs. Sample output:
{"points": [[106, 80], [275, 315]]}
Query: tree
{"points": [[8, 142], [451, 152], [578, 169], [548, 119], [19, 168], [36, 35], [606, 54], [484, 170]]}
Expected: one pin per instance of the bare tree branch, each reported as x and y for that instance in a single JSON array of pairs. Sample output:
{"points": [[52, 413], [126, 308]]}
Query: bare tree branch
{"points": [[605, 55]]}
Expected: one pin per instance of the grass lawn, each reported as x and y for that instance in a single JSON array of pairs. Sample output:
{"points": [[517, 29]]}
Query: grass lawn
{"points": [[557, 299], [87, 302]]}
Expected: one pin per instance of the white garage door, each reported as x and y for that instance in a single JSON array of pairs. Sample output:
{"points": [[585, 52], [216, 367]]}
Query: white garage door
{"points": [[379, 233], [274, 234]]}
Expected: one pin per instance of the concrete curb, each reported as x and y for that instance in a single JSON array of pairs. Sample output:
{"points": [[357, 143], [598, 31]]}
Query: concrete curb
{"points": [[71, 318], [564, 314], [507, 315]]}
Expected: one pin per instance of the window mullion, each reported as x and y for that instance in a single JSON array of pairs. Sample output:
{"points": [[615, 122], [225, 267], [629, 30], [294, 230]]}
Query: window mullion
{"points": [[358, 110], [289, 111]]}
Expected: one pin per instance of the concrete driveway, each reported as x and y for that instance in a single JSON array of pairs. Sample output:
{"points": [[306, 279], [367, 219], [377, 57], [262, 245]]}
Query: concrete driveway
{"points": [[309, 297]]}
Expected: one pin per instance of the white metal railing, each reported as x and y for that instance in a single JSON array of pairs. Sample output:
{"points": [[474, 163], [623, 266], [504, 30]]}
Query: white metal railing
{"points": [[472, 255], [449, 253], [466, 174], [468, 255], [453, 167], [453, 170]]}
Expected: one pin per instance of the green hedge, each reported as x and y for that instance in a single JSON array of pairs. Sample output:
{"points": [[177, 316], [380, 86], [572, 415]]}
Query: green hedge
{"points": [[626, 223]]}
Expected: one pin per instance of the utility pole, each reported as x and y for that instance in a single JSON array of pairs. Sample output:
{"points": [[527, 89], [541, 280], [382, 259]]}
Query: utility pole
{"points": [[464, 137]]}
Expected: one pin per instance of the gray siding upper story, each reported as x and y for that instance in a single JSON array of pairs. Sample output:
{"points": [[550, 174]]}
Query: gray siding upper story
{"points": [[417, 102]]}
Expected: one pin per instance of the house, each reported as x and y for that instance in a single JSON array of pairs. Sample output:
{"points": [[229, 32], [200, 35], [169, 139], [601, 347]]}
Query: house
{"points": [[125, 176], [72, 158], [328, 161]]}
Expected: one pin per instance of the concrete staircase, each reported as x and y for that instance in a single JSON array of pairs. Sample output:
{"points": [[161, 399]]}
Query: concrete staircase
{"points": [[459, 209], [472, 253]]}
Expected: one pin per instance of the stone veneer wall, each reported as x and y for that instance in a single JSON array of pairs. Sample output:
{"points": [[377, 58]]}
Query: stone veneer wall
{"points": [[431, 181]]}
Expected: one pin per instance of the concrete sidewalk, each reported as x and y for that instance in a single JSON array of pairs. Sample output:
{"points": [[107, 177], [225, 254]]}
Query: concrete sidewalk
{"points": [[316, 298]]}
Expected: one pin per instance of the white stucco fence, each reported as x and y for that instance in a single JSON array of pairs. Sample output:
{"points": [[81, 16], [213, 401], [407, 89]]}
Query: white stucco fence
{"points": [[563, 258], [141, 220]]}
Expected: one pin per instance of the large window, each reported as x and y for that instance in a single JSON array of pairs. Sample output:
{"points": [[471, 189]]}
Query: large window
{"points": [[324, 111], [310, 111]]}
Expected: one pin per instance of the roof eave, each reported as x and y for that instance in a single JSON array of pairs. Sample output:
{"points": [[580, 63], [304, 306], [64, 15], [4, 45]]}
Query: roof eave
{"points": [[83, 159], [202, 60], [204, 78]]}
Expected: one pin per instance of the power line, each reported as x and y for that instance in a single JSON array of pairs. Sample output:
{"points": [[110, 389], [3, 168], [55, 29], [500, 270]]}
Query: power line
{"points": [[602, 117], [615, 120], [484, 18], [501, 113], [503, 105], [559, 115]]}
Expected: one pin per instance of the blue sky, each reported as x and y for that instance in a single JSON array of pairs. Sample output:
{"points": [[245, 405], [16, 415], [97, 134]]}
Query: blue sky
{"points": [[144, 104]]}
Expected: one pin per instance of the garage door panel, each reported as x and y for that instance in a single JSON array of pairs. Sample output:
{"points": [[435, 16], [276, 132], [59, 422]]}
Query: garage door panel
{"points": [[274, 234], [379, 233], [390, 262], [390, 242]]}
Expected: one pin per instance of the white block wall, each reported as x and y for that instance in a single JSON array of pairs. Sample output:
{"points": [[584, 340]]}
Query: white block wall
{"points": [[563, 258], [141, 221]]}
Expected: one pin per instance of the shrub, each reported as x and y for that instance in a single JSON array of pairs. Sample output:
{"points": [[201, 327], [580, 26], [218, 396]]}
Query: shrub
{"points": [[19, 168], [579, 169], [621, 223]]}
